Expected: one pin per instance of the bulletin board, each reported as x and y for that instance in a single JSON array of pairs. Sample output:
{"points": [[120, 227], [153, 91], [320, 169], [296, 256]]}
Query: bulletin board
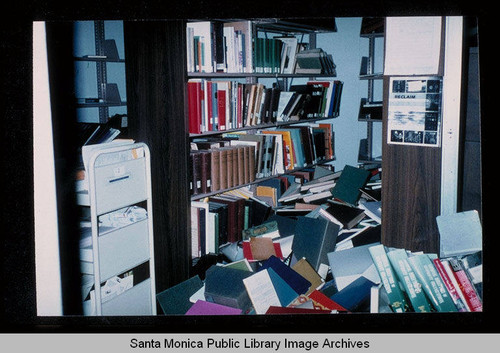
{"points": [[414, 111]]}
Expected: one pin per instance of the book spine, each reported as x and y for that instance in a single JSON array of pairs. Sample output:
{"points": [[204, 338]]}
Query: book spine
{"points": [[466, 286], [251, 164], [206, 177], [399, 260], [431, 282], [215, 169], [234, 153], [449, 285], [223, 169], [388, 278]]}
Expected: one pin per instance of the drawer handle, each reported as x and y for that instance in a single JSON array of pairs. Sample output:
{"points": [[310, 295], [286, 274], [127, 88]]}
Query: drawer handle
{"points": [[119, 178]]}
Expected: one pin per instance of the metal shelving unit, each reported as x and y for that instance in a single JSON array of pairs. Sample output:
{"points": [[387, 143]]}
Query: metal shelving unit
{"points": [[370, 111]]}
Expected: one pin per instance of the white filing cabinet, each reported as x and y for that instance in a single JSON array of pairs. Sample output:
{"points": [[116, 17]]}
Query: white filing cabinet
{"points": [[118, 177]]}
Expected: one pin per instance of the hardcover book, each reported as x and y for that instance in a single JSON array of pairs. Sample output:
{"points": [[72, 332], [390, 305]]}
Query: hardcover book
{"points": [[297, 282], [350, 264], [406, 276], [314, 239], [224, 285], [347, 188], [347, 215], [175, 300], [460, 233], [201, 307], [388, 278], [431, 282], [356, 296]]}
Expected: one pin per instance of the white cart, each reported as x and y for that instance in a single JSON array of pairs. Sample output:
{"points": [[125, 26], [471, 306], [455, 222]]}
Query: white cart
{"points": [[119, 177]]}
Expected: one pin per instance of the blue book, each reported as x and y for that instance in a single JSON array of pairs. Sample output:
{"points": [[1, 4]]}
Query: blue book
{"points": [[224, 285], [356, 296], [314, 238], [298, 283], [175, 300], [286, 294]]}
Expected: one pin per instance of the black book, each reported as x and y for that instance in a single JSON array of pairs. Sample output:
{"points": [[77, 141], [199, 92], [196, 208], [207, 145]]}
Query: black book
{"points": [[273, 105], [347, 215], [218, 47], [368, 236], [265, 107], [195, 158]]}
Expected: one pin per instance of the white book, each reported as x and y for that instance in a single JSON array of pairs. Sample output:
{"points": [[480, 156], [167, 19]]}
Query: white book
{"points": [[203, 30], [261, 291]]}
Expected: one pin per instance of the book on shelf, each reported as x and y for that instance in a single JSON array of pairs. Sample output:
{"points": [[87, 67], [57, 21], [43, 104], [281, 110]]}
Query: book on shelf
{"points": [[314, 61], [199, 46], [370, 110], [288, 53]]}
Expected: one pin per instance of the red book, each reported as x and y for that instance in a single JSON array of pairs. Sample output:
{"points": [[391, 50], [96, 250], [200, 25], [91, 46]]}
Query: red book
{"points": [[193, 107], [208, 103], [240, 106], [221, 108], [321, 301], [248, 254], [449, 285], [466, 286]]}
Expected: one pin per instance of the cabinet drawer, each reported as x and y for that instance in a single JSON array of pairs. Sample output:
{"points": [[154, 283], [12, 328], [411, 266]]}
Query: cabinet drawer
{"points": [[119, 250], [120, 184], [135, 301]]}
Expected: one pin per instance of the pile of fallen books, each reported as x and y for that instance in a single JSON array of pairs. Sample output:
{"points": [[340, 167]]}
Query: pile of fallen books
{"points": [[322, 255]]}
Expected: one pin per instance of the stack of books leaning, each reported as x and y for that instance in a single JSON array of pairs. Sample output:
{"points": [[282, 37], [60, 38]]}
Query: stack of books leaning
{"points": [[310, 242]]}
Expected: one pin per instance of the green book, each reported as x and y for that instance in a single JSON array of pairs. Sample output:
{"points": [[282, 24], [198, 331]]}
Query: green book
{"points": [[388, 278], [351, 180], [175, 300], [404, 272], [267, 229], [432, 283]]}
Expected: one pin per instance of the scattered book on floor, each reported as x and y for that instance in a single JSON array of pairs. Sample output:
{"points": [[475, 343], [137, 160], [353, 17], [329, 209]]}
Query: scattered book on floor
{"points": [[175, 300], [459, 233]]}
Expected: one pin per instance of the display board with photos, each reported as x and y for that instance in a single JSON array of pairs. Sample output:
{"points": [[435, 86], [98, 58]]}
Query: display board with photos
{"points": [[414, 113]]}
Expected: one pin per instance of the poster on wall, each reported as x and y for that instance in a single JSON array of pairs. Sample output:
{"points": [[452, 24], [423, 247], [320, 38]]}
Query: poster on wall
{"points": [[414, 114]]}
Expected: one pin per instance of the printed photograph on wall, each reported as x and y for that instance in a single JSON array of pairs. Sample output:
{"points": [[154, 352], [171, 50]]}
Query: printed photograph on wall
{"points": [[415, 111]]}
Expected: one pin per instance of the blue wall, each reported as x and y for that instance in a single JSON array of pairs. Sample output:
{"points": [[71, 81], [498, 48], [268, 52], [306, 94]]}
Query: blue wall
{"points": [[347, 48]]}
